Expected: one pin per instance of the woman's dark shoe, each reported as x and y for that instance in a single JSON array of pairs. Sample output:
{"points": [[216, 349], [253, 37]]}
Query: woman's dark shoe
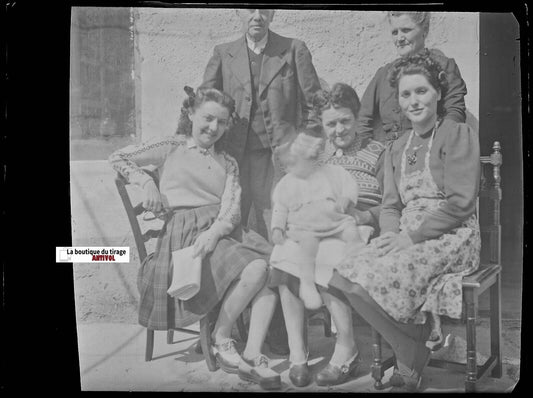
{"points": [[401, 383], [258, 372], [227, 356], [409, 380], [408, 383], [299, 375], [332, 375], [396, 380]]}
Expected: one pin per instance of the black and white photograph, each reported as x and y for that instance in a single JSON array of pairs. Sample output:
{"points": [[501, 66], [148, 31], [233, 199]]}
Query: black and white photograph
{"points": [[205, 145]]}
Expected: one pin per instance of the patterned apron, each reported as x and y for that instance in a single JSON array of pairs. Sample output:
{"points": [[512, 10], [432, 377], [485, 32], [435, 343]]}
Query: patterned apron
{"points": [[427, 276]]}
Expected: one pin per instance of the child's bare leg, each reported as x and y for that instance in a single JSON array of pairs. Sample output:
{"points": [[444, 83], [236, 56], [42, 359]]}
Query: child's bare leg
{"points": [[436, 338], [308, 291]]}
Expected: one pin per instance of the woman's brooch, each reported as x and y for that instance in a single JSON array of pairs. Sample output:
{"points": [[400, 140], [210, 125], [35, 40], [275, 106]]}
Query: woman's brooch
{"points": [[411, 159]]}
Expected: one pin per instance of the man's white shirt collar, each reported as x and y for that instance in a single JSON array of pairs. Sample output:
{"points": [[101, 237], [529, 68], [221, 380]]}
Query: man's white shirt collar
{"points": [[257, 46]]}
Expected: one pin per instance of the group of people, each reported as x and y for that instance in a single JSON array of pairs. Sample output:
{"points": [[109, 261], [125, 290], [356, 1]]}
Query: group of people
{"points": [[261, 134]]}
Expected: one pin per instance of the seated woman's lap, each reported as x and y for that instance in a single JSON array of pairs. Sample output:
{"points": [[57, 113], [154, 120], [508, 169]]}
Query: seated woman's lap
{"points": [[255, 272], [231, 256]]}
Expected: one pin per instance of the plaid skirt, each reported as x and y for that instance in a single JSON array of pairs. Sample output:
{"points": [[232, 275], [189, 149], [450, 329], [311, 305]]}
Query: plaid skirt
{"points": [[158, 310]]}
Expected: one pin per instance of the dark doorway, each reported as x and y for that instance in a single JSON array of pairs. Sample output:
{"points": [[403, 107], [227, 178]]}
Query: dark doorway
{"points": [[500, 120]]}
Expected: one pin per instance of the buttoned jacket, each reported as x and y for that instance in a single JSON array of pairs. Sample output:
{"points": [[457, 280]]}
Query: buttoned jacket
{"points": [[287, 83]]}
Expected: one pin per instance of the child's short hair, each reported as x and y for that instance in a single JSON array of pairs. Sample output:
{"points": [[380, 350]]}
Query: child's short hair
{"points": [[307, 144]]}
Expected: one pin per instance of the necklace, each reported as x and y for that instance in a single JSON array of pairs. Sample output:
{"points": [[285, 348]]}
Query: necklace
{"points": [[204, 151], [411, 159]]}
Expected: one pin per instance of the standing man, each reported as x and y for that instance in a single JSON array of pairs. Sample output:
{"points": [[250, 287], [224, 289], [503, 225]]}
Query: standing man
{"points": [[272, 80]]}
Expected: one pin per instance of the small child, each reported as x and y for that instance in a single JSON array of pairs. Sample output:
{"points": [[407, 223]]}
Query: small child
{"points": [[309, 204]]}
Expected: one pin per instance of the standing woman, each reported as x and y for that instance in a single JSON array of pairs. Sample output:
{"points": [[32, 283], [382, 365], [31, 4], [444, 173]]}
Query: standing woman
{"points": [[429, 232], [380, 116], [199, 197]]}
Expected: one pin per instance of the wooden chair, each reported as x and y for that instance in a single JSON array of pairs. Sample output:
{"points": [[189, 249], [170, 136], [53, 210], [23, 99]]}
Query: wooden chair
{"points": [[133, 212], [141, 239], [487, 277]]}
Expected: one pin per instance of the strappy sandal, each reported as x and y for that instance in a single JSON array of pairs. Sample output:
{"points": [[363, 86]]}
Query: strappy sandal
{"points": [[333, 375], [436, 340], [227, 356]]}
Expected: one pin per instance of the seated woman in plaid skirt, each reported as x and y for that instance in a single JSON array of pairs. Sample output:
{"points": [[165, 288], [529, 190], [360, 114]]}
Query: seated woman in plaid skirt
{"points": [[200, 194]]}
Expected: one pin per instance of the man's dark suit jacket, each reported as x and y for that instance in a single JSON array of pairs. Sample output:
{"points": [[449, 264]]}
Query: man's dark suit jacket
{"points": [[288, 81]]}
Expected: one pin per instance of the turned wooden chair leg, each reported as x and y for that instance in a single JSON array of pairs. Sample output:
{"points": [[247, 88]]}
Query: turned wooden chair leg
{"points": [[149, 345], [327, 322], [242, 329], [495, 327], [205, 341], [170, 336], [305, 327], [377, 371], [198, 347], [471, 357]]}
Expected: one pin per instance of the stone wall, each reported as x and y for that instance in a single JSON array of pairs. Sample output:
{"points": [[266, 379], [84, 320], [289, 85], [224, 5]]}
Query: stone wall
{"points": [[174, 45]]}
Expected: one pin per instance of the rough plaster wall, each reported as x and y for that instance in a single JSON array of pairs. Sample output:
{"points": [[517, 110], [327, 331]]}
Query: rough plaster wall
{"points": [[174, 46], [103, 292]]}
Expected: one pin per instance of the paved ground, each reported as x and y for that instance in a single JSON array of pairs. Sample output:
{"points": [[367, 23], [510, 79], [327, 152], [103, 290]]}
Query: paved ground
{"points": [[112, 359]]}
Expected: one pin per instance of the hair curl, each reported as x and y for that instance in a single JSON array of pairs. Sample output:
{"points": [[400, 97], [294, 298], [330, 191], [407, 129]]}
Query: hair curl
{"points": [[341, 95], [421, 64], [195, 100], [418, 17]]}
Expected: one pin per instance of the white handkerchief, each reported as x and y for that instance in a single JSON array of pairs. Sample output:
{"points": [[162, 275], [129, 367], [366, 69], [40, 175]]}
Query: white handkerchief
{"points": [[186, 274]]}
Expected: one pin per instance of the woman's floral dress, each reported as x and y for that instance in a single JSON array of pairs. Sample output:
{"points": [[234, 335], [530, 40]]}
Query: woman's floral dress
{"points": [[425, 277]]}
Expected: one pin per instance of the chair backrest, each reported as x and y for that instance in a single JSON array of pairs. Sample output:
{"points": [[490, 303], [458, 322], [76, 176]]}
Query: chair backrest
{"points": [[133, 212], [490, 195]]}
